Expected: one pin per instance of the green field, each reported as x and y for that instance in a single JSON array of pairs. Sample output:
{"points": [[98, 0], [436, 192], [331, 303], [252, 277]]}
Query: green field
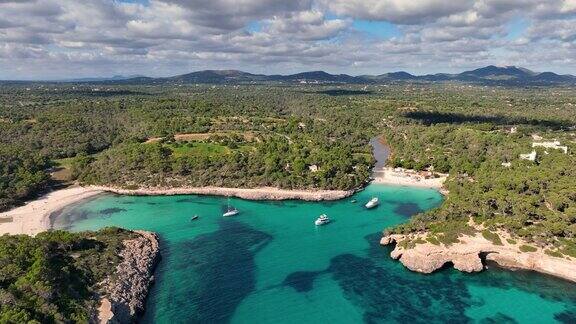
{"points": [[198, 149]]}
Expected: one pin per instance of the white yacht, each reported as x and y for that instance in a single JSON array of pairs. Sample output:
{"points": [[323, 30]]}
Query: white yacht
{"points": [[322, 220], [372, 203], [230, 211]]}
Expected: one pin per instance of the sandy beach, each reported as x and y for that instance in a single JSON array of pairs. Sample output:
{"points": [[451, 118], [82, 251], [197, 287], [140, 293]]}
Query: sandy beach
{"points": [[34, 217], [404, 177]]}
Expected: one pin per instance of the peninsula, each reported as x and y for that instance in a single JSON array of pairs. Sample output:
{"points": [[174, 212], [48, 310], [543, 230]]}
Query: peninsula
{"points": [[58, 276], [422, 253]]}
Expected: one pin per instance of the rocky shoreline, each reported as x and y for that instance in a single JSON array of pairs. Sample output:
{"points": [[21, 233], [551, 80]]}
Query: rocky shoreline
{"points": [[126, 290], [263, 193], [419, 255]]}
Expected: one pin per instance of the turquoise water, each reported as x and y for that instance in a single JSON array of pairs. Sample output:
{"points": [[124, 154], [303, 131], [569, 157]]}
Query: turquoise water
{"points": [[270, 264]]}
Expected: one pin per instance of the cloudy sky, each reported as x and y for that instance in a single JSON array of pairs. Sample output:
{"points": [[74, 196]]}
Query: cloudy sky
{"points": [[52, 39]]}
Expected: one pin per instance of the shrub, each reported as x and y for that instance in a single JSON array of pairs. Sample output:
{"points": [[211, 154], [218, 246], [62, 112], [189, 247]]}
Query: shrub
{"points": [[492, 237], [433, 240], [527, 248], [419, 240], [556, 254]]}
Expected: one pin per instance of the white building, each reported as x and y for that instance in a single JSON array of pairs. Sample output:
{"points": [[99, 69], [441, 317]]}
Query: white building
{"points": [[529, 156], [551, 145]]}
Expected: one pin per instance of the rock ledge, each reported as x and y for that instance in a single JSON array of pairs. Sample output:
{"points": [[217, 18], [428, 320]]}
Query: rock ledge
{"points": [[127, 288], [468, 254]]}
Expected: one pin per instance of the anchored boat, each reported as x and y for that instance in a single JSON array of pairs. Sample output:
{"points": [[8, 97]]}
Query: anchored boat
{"points": [[230, 211], [322, 220], [372, 203]]}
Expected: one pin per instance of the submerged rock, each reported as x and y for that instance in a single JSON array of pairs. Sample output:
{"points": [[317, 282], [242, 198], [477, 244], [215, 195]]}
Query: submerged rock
{"points": [[126, 290]]}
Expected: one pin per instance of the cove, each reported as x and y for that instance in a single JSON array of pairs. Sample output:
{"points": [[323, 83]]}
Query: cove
{"points": [[270, 264]]}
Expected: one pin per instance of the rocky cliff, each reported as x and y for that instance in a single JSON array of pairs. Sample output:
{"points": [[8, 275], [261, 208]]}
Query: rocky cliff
{"points": [[468, 255], [126, 290]]}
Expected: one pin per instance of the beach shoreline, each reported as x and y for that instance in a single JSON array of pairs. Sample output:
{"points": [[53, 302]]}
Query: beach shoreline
{"points": [[261, 193], [405, 177], [35, 216]]}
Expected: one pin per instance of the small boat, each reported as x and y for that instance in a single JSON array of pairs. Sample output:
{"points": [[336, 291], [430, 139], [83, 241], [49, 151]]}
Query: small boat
{"points": [[322, 220], [353, 201], [372, 203], [230, 211], [195, 217]]}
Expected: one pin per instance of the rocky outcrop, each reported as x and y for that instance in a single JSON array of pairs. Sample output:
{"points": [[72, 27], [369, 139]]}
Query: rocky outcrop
{"points": [[468, 255], [126, 290]]}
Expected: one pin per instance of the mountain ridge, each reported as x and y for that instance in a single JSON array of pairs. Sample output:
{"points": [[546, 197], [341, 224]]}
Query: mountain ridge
{"points": [[491, 74], [488, 75]]}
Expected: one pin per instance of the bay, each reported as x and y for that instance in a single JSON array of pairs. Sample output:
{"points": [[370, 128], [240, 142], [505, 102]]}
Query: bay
{"points": [[271, 264]]}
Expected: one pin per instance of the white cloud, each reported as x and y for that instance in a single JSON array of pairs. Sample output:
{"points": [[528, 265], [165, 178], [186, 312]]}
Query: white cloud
{"points": [[306, 25], [398, 11]]}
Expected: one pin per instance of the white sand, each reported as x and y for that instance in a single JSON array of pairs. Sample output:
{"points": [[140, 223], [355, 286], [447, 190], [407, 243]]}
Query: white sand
{"points": [[403, 177], [34, 217]]}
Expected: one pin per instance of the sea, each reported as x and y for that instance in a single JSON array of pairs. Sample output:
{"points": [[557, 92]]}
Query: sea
{"points": [[271, 264]]}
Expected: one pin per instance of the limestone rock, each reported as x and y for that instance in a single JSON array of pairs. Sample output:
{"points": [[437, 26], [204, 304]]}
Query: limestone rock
{"points": [[466, 255], [470, 262], [126, 290]]}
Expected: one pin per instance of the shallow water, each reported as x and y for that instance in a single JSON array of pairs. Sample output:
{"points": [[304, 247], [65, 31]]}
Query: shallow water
{"points": [[270, 264]]}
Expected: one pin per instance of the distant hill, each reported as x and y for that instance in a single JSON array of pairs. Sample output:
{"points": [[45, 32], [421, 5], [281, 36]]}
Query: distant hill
{"points": [[114, 78], [217, 76], [398, 76], [512, 75], [234, 76], [321, 76], [489, 75], [494, 72]]}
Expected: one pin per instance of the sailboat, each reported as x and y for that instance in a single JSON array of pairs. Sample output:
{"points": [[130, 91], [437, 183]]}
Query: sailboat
{"points": [[230, 211]]}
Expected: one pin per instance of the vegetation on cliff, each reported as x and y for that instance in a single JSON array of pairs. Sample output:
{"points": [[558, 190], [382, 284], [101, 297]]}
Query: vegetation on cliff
{"points": [[53, 277], [489, 182]]}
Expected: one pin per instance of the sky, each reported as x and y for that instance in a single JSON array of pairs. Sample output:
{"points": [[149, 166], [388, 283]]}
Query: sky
{"points": [[59, 39]]}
